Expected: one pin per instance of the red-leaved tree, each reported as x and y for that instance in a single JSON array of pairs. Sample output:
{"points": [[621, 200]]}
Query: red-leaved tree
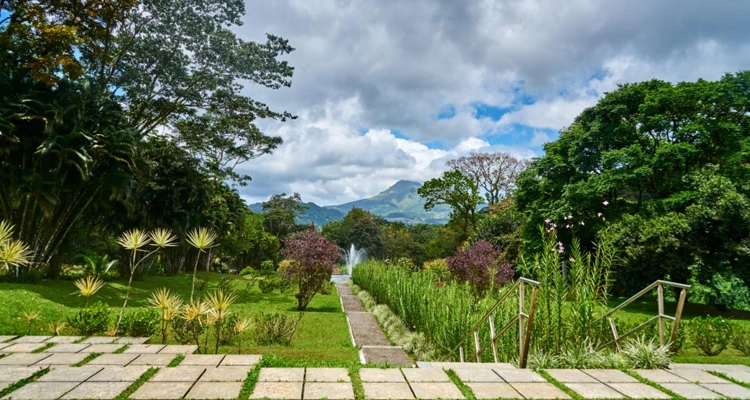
{"points": [[481, 266], [312, 259]]}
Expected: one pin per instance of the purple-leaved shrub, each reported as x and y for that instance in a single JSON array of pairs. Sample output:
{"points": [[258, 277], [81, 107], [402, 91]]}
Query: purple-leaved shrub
{"points": [[312, 259], [481, 266]]}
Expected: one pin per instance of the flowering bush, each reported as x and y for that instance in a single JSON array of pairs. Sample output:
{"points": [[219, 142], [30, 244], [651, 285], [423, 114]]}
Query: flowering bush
{"points": [[481, 266], [312, 259]]}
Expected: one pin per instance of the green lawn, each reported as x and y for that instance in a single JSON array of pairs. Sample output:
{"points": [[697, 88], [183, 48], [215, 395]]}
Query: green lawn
{"points": [[323, 334]]}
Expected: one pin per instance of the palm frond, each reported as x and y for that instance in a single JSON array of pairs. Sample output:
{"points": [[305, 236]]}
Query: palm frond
{"points": [[133, 239], [201, 238], [162, 238]]}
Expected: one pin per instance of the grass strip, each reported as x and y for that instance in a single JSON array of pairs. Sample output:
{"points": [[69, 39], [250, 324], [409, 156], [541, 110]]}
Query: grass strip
{"points": [[251, 381], [23, 382], [729, 378], [41, 349], [465, 390], [359, 389], [558, 384], [121, 349], [177, 360], [653, 384], [87, 359], [132, 388]]}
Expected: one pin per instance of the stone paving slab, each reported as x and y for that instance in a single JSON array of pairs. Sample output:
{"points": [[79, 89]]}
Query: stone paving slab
{"points": [[595, 391], [519, 375], [738, 375], [67, 348], [455, 365], [24, 359], [277, 390], [387, 390], [493, 390], [660, 376], [23, 347], [697, 376], [690, 391], [281, 375], [610, 376], [14, 373], [4, 345], [639, 391], [41, 390], [159, 360], [114, 373], [5, 385], [143, 348], [225, 374], [328, 390], [246, 360], [572, 375], [103, 348], [729, 390], [70, 374], [477, 375], [386, 355], [63, 339], [539, 391], [381, 375], [352, 304], [97, 390], [113, 359], [207, 360], [132, 340], [183, 349], [425, 375], [178, 374], [327, 375], [63, 359], [436, 390], [215, 390], [344, 290], [162, 390], [723, 368], [99, 339], [366, 330], [5, 338], [30, 339]]}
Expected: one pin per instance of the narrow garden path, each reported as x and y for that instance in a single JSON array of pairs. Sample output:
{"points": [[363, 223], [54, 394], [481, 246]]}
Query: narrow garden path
{"points": [[366, 333]]}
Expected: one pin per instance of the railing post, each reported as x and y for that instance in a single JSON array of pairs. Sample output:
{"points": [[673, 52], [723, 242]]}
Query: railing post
{"points": [[461, 353], [660, 295], [492, 337], [614, 333], [477, 346], [521, 304], [529, 325], [677, 316]]}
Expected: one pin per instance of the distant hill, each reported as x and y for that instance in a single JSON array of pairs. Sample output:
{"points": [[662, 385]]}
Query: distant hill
{"points": [[399, 202]]}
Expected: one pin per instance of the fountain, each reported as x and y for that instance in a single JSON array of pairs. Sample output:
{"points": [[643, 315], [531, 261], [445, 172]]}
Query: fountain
{"points": [[353, 257]]}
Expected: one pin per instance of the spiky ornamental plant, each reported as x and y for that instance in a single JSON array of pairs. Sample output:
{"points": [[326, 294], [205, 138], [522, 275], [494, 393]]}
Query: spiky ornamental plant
{"points": [[13, 253], [240, 327], [169, 306], [30, 316], [194, 313], [219, 303], [202, 239], [136, 240], [88, 286]]}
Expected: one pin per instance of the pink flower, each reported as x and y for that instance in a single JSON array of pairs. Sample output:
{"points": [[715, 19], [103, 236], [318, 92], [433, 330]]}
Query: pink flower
{"points": [[546, 221], [606, 203], [567, 226], [570, 217], [582, 223]]}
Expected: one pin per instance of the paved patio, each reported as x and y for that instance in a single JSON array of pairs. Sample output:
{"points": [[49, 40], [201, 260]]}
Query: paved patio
{"points": [[211, 376]]}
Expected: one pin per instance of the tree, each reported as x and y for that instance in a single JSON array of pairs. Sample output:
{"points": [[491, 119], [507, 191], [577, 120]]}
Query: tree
{"points": [[313, 259], [280, 212], [458, 191], [360, 228], [495, 173]]}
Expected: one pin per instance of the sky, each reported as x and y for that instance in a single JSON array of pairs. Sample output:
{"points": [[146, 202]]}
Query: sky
{"points": [[386, 90]]}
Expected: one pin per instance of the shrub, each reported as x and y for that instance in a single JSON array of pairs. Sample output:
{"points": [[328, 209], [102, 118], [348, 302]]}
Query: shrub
{"points": [[90, 321], [188, 330], [710, 335], [327, 288], [267, 266], [140, 323], [313, 259], [439, 267], [272, 283], [276, 328], [741, 340], [642, 353], [481, 266]]}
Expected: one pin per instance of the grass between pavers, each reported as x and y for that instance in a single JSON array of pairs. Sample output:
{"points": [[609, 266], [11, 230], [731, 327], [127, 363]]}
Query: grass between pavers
{"points": [[465, 390], [359, 389], [252, 379], [558, 384], [323, 333], [138, 383], [121, 349], [653, 384], [23, 382], [177, 360], [729, 378], [87, 359], [41, 349]]}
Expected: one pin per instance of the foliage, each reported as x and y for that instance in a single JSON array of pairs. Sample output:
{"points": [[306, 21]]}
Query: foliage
{"points": [[502, 228], [723, 292], [458, 191], [272, 283], [98, 265], [13, 253], [480, 265], [169, 306], [202, 239], [218, 304], [279, 214], [741, 339], [312, 260], [91, 320], [438, 267], [140, 323], [642, 353], [360, 228], [495, 173], [88, 286], [275, 328], [711, 335]]}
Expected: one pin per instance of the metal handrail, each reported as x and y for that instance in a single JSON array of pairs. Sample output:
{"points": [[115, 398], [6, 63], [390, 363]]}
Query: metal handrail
{"points": [[524, 339], [660, 317]]}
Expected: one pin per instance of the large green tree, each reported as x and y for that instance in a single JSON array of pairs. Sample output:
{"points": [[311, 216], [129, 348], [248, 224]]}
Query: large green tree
{"points": [[458, 191], [666, 165]]}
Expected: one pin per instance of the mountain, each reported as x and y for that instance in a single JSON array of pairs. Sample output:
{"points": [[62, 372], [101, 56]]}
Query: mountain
{"points": [[399, 202]]}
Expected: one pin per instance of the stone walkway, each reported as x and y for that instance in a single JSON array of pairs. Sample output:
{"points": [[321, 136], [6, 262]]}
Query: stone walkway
{"points": [[124, 361], [366, 333]]}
